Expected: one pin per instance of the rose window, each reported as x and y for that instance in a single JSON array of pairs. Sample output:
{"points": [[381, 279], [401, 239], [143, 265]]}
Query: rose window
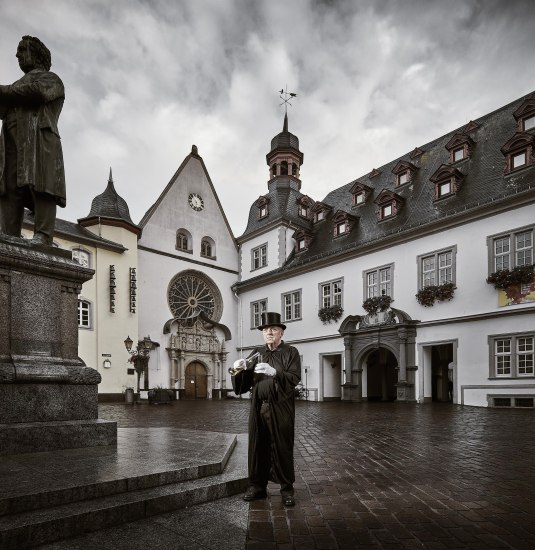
{"points": [[191, 292]]}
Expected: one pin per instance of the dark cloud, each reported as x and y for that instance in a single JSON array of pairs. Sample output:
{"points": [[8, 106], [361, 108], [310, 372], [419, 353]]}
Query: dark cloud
{"points": [[146, 79]]}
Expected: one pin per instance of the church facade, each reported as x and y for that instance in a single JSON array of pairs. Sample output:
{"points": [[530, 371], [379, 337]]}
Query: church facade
{"points": [[413, 282]]}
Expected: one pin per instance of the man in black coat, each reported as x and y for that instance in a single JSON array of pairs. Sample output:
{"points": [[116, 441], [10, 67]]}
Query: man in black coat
{"points": [[272, 371]]}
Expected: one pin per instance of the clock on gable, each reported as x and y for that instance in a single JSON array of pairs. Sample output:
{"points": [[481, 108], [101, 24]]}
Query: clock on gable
{"points": [[196, 201]]}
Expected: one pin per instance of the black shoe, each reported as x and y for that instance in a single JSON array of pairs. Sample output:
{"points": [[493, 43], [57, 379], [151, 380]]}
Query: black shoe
{"points": [[288, 500], [253, 493]]}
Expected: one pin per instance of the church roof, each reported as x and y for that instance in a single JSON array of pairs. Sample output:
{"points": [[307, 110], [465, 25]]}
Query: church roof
{"points": [[74, 232], [109, 205]]}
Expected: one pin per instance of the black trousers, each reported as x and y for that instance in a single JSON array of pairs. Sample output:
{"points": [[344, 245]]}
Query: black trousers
{"points": [[263, 450], [13, 202]]}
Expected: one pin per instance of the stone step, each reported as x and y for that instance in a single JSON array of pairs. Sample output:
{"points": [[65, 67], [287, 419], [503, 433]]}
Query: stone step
{"points": [[47, 479], [46, 525]]}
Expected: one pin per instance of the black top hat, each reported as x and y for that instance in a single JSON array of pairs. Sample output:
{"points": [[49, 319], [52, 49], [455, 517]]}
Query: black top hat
{"points": [[271, 319]]}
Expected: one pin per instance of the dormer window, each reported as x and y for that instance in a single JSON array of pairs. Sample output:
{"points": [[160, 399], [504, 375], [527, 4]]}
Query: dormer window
{"points": [[460, 146], [458, 154], [320, 210], [447, 181], [404, 172], [525, 115], [304, 205], [518, 151], [388, 205], [262, 205], [340, 228], [342, 223], [528, 123], [519, 160], [360, 193], [302, 239], [387, 211]]}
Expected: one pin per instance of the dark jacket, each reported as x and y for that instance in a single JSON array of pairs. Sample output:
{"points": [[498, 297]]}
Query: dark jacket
{"points": [[37, 99], [277, 463]]}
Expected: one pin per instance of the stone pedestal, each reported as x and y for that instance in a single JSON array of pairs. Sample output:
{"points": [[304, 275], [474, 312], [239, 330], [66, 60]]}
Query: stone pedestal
{"points": [[48, 396]]}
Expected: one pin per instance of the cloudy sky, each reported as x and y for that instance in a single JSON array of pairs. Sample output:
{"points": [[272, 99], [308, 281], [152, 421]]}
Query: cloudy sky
{"points": [[375, 78]]}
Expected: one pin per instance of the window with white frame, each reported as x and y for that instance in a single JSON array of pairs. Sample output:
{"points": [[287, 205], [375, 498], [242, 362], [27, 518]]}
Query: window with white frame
{"points": [[341, 228], [403, 177], [529, 122], [81, 256], [512, 249], [84, 314], [257, 308], [358, 198], [259, 257], [386, 211], [379, 282], [437, 268], [519, 159], [458, 154], [291, 305], [331, 293], [513, 356]]}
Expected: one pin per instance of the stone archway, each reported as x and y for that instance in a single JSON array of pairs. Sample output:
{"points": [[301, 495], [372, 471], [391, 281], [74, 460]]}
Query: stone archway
{"points": [[392, 330]]}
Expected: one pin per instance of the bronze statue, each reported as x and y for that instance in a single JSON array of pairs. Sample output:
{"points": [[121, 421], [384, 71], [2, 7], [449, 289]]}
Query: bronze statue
{"points": [[31, 158]]}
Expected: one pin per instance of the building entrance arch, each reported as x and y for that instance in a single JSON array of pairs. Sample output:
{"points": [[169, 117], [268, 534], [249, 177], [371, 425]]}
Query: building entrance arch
{"points": [[196, 381], [382, 346], [381, 375]]}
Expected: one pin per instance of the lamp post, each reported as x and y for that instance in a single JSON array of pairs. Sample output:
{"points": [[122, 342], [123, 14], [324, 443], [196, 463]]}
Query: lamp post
{"points": [[139, 355]]}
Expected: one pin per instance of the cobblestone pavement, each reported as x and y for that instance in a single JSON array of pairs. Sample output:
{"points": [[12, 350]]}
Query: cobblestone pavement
{"points": [[385, 475]]}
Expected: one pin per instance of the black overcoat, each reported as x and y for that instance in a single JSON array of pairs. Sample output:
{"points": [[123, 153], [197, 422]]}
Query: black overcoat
{"points": [[276, 463]]}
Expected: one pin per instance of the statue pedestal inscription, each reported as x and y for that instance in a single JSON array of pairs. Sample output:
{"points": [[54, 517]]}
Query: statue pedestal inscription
{"points": [[48, 396]]}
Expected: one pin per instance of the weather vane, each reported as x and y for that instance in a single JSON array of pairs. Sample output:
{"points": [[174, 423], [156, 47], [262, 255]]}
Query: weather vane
{"points": [[285, 95]]}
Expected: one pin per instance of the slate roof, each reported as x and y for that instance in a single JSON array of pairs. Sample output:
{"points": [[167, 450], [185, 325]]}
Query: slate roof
{"points": [[109, 205], [76, 233], [285, 139], [484, 182]]}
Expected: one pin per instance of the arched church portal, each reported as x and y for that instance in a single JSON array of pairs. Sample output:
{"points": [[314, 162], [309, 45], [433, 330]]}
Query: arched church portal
{"points": [[196, 381]]}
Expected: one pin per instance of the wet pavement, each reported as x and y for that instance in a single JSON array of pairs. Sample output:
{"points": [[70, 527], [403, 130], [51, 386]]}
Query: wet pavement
{"points": [[369, 475]]}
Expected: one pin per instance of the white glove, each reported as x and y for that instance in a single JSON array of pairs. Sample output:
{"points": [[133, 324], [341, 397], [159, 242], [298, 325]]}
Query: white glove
{"points": [[240, 364], [264, 368]]}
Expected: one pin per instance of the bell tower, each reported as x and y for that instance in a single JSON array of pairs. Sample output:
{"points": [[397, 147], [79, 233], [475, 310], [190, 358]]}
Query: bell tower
{"points": [[284, 159]]}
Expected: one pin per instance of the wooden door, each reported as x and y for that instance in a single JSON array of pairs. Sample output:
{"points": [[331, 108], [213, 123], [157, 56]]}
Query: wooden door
{"points": [[196, 381]]}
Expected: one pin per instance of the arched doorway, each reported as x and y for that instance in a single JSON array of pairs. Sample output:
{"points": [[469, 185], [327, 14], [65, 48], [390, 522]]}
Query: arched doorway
{"points": [[381, 375], [195, 381]]}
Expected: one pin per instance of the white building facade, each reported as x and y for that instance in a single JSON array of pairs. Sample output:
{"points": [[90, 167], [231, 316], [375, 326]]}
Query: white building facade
{"points": [[386, 284]]}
